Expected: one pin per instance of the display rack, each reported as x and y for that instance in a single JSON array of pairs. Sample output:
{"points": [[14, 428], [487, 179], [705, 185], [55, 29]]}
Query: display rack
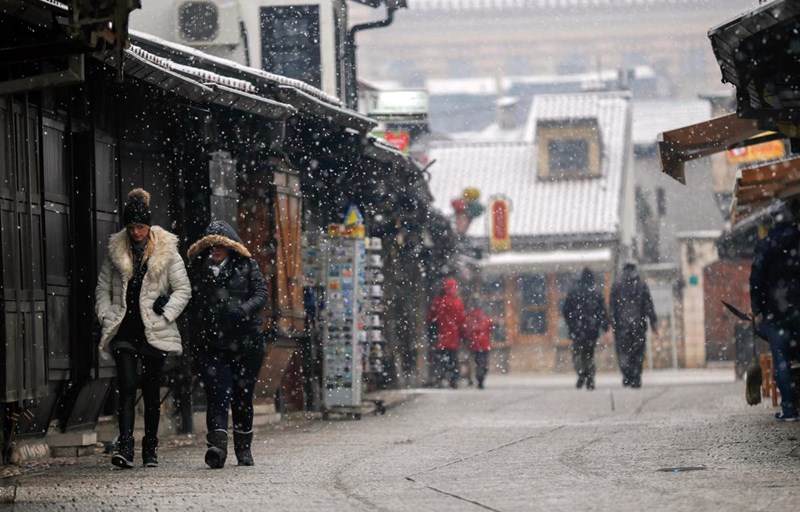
{"points": [[372, 333], [344, 289]]}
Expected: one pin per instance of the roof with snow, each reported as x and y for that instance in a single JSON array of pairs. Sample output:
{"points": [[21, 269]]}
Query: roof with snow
{"points": [[651, 117], [542, 208]]}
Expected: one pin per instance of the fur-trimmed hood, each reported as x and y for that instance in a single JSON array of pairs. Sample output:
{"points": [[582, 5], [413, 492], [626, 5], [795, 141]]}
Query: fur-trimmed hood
{"points": [[218, 233], [119, 250]]}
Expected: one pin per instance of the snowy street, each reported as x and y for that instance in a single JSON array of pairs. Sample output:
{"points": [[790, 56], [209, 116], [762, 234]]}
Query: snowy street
{"points": [[685, 441]]}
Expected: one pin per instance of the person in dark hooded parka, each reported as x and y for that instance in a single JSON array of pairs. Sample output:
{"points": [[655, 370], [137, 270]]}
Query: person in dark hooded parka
{"points": [[775, 298], [585, 314], [631, 308], [229, 293]]}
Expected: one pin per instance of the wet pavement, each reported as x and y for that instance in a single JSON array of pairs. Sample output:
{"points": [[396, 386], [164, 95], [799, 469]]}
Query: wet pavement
{"points": [[685, 441]]}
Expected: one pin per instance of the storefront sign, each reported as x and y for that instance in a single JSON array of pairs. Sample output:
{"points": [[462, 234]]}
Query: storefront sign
{"points": [[399, 140], [346, 231], [397, 103], [499, 234], [771, 150]]}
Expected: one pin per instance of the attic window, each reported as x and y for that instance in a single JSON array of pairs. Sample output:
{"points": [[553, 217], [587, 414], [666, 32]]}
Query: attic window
{"points": [[569, 149], [568, 157]]}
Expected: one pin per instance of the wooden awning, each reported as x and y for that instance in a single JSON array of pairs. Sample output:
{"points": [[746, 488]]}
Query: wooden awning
{"points": [[676, 147], [761, 186]]}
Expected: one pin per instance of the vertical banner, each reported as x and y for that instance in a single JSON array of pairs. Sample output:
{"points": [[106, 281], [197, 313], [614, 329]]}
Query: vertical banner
{"points": [[499, 235]]}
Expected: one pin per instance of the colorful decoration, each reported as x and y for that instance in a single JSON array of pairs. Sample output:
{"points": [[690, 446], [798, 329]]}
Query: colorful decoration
{"points": [[466, 208]]}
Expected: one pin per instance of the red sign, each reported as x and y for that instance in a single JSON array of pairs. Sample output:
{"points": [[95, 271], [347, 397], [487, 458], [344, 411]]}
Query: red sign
{"points": [[499, 236], [400, 140]]}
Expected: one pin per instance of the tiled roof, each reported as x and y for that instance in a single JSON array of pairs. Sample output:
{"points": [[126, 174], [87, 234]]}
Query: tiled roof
{"points": [[542, 208]]}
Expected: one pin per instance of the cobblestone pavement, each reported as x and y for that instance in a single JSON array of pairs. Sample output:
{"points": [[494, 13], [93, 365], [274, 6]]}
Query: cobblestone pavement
{"points": [[686, 441]]}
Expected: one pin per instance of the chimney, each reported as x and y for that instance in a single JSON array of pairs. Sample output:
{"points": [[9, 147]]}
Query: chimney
{"points": [[506, 108]]}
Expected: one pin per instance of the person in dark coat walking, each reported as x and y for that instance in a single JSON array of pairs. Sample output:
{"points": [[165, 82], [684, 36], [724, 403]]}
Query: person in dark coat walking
{"points": [[446, 316], [229, 294], [142, 288], [631, 308], [585, 314], [775, 297]]}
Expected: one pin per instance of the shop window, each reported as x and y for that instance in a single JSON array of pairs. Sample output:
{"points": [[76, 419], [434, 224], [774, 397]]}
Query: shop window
{"points": [[533, 322], [495, 293], [533, 289], [569, 149], [533, 304]]}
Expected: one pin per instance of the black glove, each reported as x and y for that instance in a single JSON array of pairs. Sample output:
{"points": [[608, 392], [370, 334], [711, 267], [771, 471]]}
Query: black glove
{"points": [[160, 302], [235, 316]]}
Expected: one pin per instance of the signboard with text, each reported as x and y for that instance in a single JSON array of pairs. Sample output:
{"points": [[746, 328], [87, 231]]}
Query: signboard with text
{"points": [[771, 150], [499, 234]]}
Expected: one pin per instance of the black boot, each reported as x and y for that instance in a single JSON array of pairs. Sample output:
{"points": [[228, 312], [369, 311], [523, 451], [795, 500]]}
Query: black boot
{"points": [[217, 452], [123, 457], [241, 445], [150, 452]]}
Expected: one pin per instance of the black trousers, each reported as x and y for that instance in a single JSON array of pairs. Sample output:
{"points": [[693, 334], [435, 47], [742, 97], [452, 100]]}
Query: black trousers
{"points": [[446, 366], [583, 357], [481, 365], [630, 347], [127, 362], [229, 379]]}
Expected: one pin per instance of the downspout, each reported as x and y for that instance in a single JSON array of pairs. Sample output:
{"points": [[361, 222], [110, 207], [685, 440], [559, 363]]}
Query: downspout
{"points": [[351, 95]]}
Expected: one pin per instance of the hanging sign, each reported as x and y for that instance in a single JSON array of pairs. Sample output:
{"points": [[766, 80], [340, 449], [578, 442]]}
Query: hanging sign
{"points": [[499, 234], [771, 150], [353, 216], [353, 226]]}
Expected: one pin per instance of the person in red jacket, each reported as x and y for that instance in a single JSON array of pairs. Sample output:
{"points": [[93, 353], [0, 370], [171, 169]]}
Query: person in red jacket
{"points": [[446, 316], [478, 335]]}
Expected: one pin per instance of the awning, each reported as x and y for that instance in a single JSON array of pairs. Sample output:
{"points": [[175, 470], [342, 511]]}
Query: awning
{"points": [[154, 72], [676, 147], [760, 187], [546, 261]]}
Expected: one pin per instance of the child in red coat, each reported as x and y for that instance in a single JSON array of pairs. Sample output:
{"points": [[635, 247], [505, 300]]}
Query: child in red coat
{"points": [[446, 316], [478, 334]]}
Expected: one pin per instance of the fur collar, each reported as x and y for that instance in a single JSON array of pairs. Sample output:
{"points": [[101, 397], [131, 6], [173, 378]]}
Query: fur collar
{"points": [[209, 240], [119, 250]]}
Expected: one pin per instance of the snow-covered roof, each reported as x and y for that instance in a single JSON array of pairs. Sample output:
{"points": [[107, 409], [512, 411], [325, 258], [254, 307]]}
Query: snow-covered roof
{"points": [[511, 262], [542, 208], [651, 117], [246, 70], [475, 5], [203, 75]]}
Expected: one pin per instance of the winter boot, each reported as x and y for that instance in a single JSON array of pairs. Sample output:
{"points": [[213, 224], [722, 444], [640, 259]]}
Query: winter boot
{"points": [[241, 445], [123, 457], [150, 452], [590, 383], [579, 383], [217, 442]]}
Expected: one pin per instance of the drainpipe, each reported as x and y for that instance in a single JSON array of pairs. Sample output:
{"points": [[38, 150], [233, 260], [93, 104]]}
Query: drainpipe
{"points": [[351, 94]]}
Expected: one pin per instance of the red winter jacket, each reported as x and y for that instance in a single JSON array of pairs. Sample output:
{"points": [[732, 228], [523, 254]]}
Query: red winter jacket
{"points": [[447, 313], [478, 330]]}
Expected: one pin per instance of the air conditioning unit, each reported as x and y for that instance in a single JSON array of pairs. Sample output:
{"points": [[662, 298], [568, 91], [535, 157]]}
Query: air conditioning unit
{"points": [[208, 23]]}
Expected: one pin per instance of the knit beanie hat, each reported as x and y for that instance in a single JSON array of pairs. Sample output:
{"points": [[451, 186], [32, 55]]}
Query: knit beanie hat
{"points": [[137, 211]]}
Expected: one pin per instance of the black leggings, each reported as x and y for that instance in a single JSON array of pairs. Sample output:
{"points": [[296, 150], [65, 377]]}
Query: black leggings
{"points": [[126, 387]]}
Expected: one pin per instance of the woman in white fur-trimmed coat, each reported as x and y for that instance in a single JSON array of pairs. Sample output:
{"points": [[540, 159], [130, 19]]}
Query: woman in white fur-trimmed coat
{"points": [[141, 290]]}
